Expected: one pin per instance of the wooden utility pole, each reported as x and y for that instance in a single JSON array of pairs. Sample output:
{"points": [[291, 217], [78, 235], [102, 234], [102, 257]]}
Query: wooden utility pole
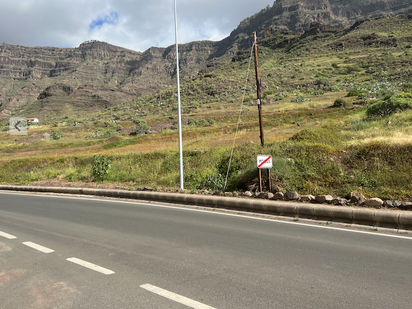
{"points": [[262, 137], [259, 100]]}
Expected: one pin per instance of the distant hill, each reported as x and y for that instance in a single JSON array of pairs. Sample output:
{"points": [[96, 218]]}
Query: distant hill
{"points": [[37, 81]]}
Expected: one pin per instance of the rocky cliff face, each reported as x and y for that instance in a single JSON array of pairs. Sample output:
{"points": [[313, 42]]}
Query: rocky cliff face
{"points": [[297, 15], [25, 72], [112, 74]]}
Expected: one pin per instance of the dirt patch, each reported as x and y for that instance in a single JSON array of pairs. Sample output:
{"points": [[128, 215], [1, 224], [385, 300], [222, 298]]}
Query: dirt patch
{"points": [[4, 247], [49, 294], [166, 125], [7, 276], [127, 132], [33, 137]]}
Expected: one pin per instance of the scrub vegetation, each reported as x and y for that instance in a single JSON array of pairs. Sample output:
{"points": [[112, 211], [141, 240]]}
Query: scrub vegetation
{"points": [[337, 112]]}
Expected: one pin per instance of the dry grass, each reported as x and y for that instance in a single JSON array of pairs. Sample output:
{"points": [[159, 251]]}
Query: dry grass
{"points": [[397, 138]]}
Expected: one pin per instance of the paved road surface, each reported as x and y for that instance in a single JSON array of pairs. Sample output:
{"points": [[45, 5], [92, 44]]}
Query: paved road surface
{"points": [[61, 252]]}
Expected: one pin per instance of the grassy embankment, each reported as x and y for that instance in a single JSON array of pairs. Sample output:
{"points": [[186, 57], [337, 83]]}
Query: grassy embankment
{"points": [[316, 148]]}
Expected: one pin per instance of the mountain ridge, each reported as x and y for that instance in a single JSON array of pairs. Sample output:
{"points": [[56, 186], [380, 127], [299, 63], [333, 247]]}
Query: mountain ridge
{"points": [[120, 74]]}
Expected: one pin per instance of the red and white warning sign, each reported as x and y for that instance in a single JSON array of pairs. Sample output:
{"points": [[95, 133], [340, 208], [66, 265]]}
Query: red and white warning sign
{"points": [[264, 161]]}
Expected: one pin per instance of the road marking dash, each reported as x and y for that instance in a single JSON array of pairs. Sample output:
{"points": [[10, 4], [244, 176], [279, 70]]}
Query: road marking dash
{"points": [[175, 297], [6, 235], [38, 247], [91, 266]]}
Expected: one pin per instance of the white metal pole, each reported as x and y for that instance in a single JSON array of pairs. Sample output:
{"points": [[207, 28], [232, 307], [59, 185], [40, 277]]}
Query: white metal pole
{"points": [[178, 104]]}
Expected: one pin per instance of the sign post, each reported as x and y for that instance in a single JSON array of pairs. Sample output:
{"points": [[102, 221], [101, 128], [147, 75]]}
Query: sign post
{"points": [[264, 162]]}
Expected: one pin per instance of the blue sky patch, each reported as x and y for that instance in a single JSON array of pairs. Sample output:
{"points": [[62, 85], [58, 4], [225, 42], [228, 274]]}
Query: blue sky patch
{"points": [[110, 19]]}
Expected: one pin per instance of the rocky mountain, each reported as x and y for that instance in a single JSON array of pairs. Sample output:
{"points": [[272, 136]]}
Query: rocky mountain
{"points": [[37, 81], [103, 75], [297, 15]]}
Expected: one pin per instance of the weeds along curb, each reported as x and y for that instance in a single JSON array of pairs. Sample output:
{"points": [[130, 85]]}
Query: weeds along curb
{"points": [[367, 216]]}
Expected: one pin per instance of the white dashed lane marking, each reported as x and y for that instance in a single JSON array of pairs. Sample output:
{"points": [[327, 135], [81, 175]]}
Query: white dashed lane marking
{"points": [[91, 266], [8, 236], [38, 247], [175, 297]]}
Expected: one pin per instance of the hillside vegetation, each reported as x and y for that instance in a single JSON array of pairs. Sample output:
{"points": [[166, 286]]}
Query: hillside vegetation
{"points": [[337, 112]]}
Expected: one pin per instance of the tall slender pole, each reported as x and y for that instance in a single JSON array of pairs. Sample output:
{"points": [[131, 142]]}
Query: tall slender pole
{"points": [[178, 104], [262, 137]]}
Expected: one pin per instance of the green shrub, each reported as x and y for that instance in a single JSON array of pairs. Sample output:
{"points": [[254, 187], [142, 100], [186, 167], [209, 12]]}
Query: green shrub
{"points": [[317, 92], [323, 82], [202, 122], [101, 166], [353, 93], [407, 87], [267, 92], [384, 94], [299, 99], [280, 96], [353, 68], [141, 126], [390, 105], [335, 88], [342, 103], [102, 133], [111, 132], [192, 121], [213, 182], [57, 134]]}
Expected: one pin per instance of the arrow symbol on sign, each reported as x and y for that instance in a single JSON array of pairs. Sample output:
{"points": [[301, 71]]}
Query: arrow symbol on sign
{"points": [[16, 125], [267, 159]]}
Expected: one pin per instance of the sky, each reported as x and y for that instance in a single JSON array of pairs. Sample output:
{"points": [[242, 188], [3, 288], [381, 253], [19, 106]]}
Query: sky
{"points": [[132, 24]]}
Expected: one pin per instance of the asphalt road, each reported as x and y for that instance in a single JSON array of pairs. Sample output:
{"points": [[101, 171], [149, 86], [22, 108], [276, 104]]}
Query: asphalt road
{"points": [[61, 252]]}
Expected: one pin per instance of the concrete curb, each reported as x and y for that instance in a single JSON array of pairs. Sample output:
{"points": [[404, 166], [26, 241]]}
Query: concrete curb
{"points": [[367, 216]]}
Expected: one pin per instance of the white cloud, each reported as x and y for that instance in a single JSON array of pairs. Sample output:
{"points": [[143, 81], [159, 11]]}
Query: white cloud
{"points": [[133, 24]]}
